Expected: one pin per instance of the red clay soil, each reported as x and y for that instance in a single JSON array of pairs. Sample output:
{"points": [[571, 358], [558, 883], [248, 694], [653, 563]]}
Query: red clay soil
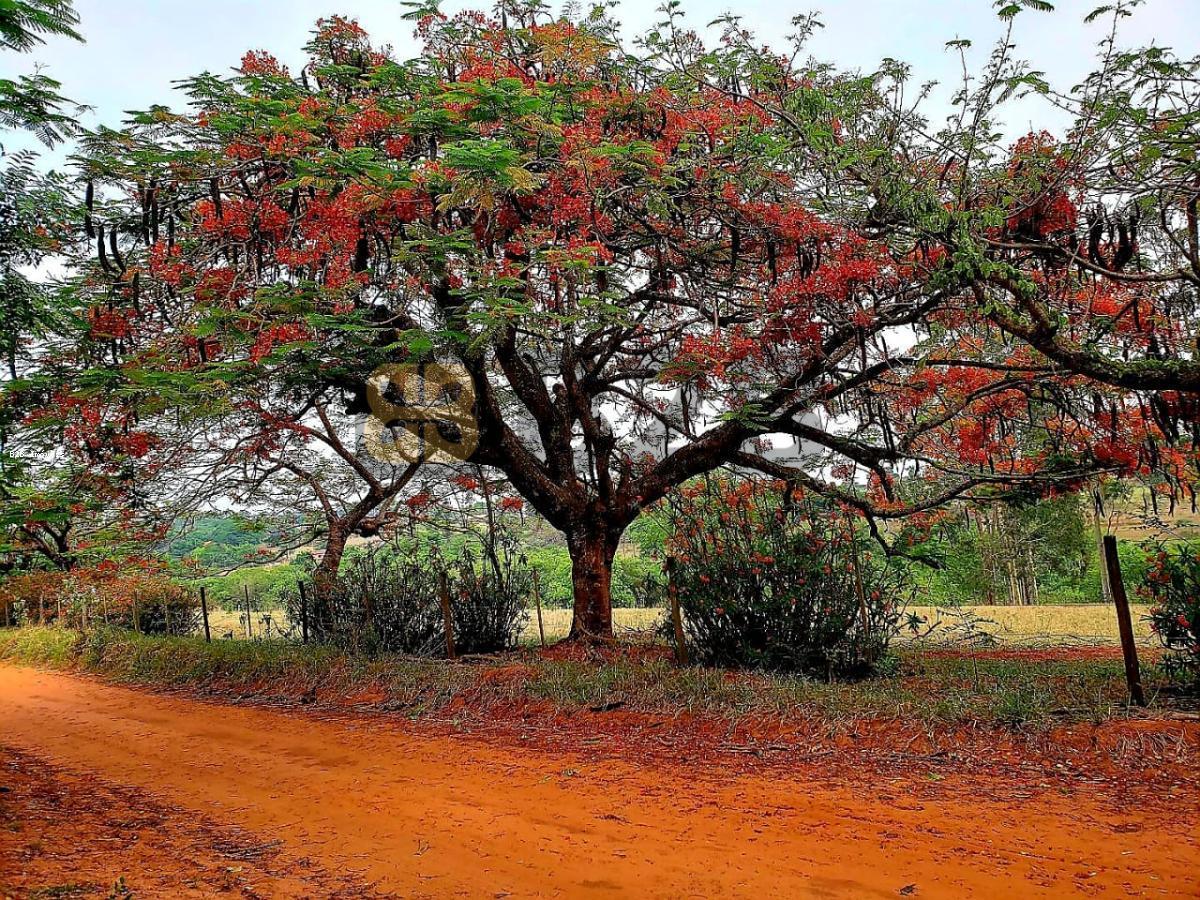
{"points": [[68, 835], [424, 813]]}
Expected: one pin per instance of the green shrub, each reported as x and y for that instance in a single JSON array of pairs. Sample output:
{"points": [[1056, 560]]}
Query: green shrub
{"points": [[383, 602], [389, 600], [771, 580], [488, 601]]}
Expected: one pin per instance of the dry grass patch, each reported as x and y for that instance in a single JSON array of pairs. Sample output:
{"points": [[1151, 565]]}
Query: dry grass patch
{"points": [[1093, 623]]}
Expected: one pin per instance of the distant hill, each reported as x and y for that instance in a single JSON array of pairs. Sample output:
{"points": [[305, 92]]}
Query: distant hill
{"points": [[218, 542]]}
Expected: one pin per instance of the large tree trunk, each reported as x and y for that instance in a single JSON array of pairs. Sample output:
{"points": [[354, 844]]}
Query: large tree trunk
{"points": [[592, 551]]}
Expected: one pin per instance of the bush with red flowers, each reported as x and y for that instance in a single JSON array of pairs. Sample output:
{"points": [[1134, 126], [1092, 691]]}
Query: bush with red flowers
{"points": [[768, 578], [132, 598], [1173, 586]]}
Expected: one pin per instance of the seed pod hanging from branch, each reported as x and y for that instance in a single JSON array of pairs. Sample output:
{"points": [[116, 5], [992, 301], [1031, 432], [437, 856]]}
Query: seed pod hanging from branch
{"points": [[116, 252], [89, 202], [102, 253]]}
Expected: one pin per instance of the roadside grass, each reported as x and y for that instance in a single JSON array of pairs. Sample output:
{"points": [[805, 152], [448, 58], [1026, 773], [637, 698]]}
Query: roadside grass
{"points": [[947, 691], [53, 648], [922, 686]]}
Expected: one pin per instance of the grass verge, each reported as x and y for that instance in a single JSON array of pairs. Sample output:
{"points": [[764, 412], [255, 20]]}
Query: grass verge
{"points": [[928, 687]]}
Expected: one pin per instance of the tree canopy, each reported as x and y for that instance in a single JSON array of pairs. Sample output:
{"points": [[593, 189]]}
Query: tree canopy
{"points": [[646, 262]]}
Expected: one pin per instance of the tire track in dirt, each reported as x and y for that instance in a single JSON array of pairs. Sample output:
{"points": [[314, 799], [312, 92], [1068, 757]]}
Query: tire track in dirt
{"points": [[430, 815]]}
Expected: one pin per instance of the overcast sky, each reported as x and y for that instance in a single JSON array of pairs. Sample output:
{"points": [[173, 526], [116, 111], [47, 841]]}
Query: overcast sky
{"points": [[135, 49]]}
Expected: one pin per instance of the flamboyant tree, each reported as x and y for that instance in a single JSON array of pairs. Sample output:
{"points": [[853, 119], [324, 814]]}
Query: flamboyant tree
{"points": [[642, 266], [46, 488]]}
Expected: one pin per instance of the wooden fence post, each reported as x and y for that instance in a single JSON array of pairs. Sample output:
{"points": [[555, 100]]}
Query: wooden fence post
{"points": [[249, 626], [137, 615], [303, 613], [1133, 674], [204, 614], [444, 596], [537, 601], [681, 652]]}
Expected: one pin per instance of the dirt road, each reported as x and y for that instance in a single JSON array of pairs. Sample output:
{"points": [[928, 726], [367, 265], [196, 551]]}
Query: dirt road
{"points": [[427, 815]]}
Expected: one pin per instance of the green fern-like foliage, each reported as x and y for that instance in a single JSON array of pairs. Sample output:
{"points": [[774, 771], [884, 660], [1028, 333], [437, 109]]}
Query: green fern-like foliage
{"points": [[26, 23], [32, 102]]}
